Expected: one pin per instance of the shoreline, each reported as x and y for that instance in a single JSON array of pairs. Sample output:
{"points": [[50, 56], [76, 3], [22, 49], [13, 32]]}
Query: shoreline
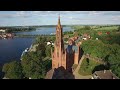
{"points": [[21, 35]]}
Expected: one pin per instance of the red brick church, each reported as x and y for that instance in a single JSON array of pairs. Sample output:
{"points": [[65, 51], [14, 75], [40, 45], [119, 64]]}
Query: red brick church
{"points": [[64, 55]]}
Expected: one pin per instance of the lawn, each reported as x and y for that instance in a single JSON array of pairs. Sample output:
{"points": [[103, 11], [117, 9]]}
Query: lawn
{"points": [[87, 67], [112, 28]]}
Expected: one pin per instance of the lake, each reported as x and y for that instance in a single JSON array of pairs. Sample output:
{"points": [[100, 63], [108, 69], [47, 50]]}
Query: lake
{"points": [[11, 49], [45, 30]]}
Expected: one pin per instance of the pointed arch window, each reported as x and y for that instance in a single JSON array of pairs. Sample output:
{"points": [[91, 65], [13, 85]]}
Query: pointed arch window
{"points": [[57, 52]]}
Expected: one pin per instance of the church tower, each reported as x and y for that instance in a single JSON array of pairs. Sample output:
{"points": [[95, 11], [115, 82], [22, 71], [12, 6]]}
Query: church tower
{"points": [[59, 36], [62, 57], [57, 55]]}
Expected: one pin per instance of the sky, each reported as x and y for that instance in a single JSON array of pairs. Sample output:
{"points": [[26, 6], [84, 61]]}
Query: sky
{"points": [[26, 18]]}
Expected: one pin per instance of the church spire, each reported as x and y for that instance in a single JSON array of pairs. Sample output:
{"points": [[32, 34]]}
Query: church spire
{"points": [[59, 24]]}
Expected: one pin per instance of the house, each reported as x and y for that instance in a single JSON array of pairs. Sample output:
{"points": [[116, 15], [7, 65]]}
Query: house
{"points": [[30, 78], [71, 42], [99, 33], [86, 36], [79, 43], [1, 36], [66, 36], [96, 38], [5, 78], [74, 38], [104, 74], [48, 43], [2, 30], [9, 34], [4, 36], [108, 33], [52, 43]]}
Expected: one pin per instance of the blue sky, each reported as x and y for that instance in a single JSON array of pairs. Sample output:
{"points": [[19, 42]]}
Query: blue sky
{"points": [[23, 18]]}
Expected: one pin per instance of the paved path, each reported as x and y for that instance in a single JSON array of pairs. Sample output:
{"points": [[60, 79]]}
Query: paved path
{"points": [[77, 75]]}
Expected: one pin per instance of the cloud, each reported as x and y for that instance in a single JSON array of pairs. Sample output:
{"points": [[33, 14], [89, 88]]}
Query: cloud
{"points": [[44, 13], [6, 16], [67, 17], [96, 12], [19, 14], [56, 13], [116, 13], [116, 18], [105, 13], [71, 17], [22, 14], [25, 14]]}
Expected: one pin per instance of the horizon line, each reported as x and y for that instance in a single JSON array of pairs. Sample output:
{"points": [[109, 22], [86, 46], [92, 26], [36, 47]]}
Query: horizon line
{"points": [[55, 25]]}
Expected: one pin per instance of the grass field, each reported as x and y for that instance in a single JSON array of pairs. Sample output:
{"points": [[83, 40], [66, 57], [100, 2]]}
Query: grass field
{"points": [[99, 28], [87, 67], [107, 28]]}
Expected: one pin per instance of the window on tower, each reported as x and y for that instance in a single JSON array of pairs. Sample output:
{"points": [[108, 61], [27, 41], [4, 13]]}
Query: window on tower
{"points": [[57, 54]]}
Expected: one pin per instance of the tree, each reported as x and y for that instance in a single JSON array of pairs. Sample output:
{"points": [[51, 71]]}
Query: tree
{"points": [[34, 66], [40, 39], [119, 28], [13, 70], [8, 31], [113, 59], [48, 64], [41, 47], [33, 63], [48, 51], [37, 69], [116, 70], [87, 28], [53, 38], [95, 48]]}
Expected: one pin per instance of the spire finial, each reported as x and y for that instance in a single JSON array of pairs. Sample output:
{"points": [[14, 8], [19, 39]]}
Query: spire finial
{"points": [[59, 15], [59, 20]]}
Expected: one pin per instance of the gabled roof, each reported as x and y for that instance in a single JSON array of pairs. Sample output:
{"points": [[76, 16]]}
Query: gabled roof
{"points": [[106, 74], [73, 47], [59, 23]]}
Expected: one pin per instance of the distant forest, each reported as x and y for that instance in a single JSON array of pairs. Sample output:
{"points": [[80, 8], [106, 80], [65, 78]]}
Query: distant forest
{"points": [[12, 29], [37, 26]]}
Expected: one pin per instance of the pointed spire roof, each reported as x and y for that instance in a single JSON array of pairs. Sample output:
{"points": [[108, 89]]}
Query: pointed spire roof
{"points": [[59, 24]]}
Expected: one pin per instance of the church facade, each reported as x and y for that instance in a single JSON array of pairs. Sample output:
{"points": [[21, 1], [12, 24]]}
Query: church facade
{"points": [[64, 55]]}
